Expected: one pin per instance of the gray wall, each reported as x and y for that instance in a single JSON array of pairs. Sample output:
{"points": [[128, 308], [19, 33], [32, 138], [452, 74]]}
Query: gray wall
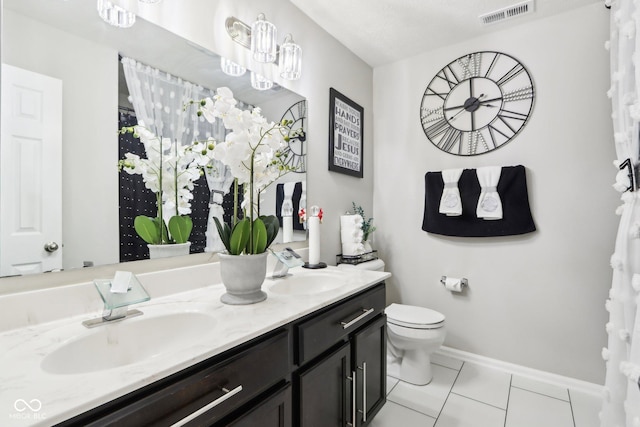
{"points": [[536, 300]]}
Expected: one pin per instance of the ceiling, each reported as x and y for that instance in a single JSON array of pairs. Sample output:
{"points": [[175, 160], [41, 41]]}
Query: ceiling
{"points": [[385, 31]]}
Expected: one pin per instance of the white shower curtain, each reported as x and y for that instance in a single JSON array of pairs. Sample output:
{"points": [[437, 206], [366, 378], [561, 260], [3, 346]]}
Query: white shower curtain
{"points": [[158, 99], [621, 400]]}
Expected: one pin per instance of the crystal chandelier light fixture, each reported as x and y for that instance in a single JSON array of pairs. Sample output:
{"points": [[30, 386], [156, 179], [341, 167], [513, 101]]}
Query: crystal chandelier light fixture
{"points": [[290, 59], [114, 14], [263, 40], [258, 82], [231, 68]]}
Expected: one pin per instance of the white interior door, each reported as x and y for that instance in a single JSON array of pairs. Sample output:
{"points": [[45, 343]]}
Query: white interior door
{"points": [[30, 172]]}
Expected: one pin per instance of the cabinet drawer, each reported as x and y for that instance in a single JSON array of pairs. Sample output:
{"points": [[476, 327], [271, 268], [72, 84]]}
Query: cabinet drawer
{"points": [[319, 332], [243, 376]]}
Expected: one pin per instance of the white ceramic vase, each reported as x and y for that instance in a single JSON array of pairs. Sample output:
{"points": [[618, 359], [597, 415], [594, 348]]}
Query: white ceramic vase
{"points": [[242, 276], [165, 251]]}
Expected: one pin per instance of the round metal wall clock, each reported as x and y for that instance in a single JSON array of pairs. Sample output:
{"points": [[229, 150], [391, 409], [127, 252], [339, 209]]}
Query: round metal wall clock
{"points": [[477, 103], [296, 153]]}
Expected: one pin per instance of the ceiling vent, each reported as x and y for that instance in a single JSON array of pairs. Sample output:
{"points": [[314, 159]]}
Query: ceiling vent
{"points": [[508, 12]]}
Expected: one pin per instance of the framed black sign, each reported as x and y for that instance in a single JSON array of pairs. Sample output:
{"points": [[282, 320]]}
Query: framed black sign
{"points": [[345, 134]]}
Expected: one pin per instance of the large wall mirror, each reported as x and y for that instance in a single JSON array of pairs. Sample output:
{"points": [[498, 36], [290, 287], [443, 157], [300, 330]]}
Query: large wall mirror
{"points": [[66, 45]]}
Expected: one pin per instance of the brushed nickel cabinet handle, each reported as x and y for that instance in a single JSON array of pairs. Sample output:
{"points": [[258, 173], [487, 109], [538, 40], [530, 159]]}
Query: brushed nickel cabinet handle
{"points": [[227, 394], [364, 391], [353, 400], [365, 313]]}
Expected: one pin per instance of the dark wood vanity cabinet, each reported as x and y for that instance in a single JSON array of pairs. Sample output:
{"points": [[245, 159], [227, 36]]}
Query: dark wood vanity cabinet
{"points": [[204, 394], [344, 385], [325, 369]]}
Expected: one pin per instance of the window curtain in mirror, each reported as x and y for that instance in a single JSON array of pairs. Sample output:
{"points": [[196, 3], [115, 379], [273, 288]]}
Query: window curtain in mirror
{"points": [[621, 396], [159, 100]]}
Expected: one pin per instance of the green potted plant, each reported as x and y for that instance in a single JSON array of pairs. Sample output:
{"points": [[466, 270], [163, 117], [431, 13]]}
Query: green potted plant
{"points": [[367, 226], [169, 170], [254, 152]]}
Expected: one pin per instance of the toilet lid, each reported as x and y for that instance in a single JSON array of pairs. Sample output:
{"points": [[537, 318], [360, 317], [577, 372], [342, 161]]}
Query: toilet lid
{"points": [[412, 316]]}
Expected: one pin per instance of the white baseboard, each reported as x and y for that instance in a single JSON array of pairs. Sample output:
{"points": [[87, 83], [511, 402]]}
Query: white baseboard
{"points": [[523, 371]]}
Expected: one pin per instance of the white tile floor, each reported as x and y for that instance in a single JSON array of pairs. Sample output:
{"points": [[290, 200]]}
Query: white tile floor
{"points": [[466, 395]]}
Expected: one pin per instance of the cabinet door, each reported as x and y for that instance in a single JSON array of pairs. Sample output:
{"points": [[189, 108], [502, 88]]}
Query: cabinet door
{"points": [[275, 411], [370, 362], [326, 391]]}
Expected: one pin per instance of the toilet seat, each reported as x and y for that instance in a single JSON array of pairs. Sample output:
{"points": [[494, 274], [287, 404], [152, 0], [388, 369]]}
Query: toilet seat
{"points": [[410, 316]]}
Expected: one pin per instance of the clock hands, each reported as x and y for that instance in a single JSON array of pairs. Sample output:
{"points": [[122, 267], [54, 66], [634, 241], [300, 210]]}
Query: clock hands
{"points": [[468, 106]]}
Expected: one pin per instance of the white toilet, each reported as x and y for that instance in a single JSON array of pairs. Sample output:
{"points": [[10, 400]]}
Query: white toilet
{"points": [[414, 333]]}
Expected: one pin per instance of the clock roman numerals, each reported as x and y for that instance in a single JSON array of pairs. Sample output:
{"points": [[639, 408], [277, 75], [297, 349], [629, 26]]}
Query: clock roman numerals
{"points": [[296, 162], [446, 73], [450, 138], [431, 92], [518, 94], [429, 116], [302, 110], [473, 139], [510, 75], [437, 128], [471, 64], [514, 115]]}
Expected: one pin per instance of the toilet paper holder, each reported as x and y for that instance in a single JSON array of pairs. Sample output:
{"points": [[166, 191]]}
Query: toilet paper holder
{"points": [[464, 282]]}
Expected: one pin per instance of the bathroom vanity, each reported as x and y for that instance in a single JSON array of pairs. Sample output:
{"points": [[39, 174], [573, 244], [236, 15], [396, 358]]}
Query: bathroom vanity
{"points": [[312, 356]]}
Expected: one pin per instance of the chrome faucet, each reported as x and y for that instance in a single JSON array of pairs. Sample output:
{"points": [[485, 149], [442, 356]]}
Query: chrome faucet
{"points": [[286, 259], [116, 304]]}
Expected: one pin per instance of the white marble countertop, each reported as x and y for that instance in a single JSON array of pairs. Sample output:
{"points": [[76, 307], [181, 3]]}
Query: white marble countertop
{"points": [[31, 396]]}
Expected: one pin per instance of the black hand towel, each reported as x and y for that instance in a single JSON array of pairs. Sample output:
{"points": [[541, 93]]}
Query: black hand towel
{"points": [[512, 189]]}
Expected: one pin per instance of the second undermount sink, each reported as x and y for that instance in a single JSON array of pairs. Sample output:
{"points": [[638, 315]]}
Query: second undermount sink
{"points": [[127, 342], [308, 284]]}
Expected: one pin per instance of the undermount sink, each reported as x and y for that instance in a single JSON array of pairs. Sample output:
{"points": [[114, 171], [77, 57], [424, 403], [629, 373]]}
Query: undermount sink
{"points": [[308, 284], [126, 342]]}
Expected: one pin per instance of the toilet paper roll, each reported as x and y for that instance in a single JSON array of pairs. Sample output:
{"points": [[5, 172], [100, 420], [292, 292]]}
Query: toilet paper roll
{"points": [[453, 284]]}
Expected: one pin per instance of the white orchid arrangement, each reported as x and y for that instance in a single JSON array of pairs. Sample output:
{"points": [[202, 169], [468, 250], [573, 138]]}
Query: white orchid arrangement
{"points": [[169, 170], [253, 150]]}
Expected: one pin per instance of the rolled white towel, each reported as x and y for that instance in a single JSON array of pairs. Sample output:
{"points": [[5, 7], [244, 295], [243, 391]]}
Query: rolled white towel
{"points": [[287, 202], [489, 204], [450, 202]]}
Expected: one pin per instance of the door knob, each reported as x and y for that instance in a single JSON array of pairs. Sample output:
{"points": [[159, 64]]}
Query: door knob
{"points": [[51, 247]]}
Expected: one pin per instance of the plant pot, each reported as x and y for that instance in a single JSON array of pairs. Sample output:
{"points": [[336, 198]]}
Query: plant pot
{"points": [[242, 276], [165, 251]]}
